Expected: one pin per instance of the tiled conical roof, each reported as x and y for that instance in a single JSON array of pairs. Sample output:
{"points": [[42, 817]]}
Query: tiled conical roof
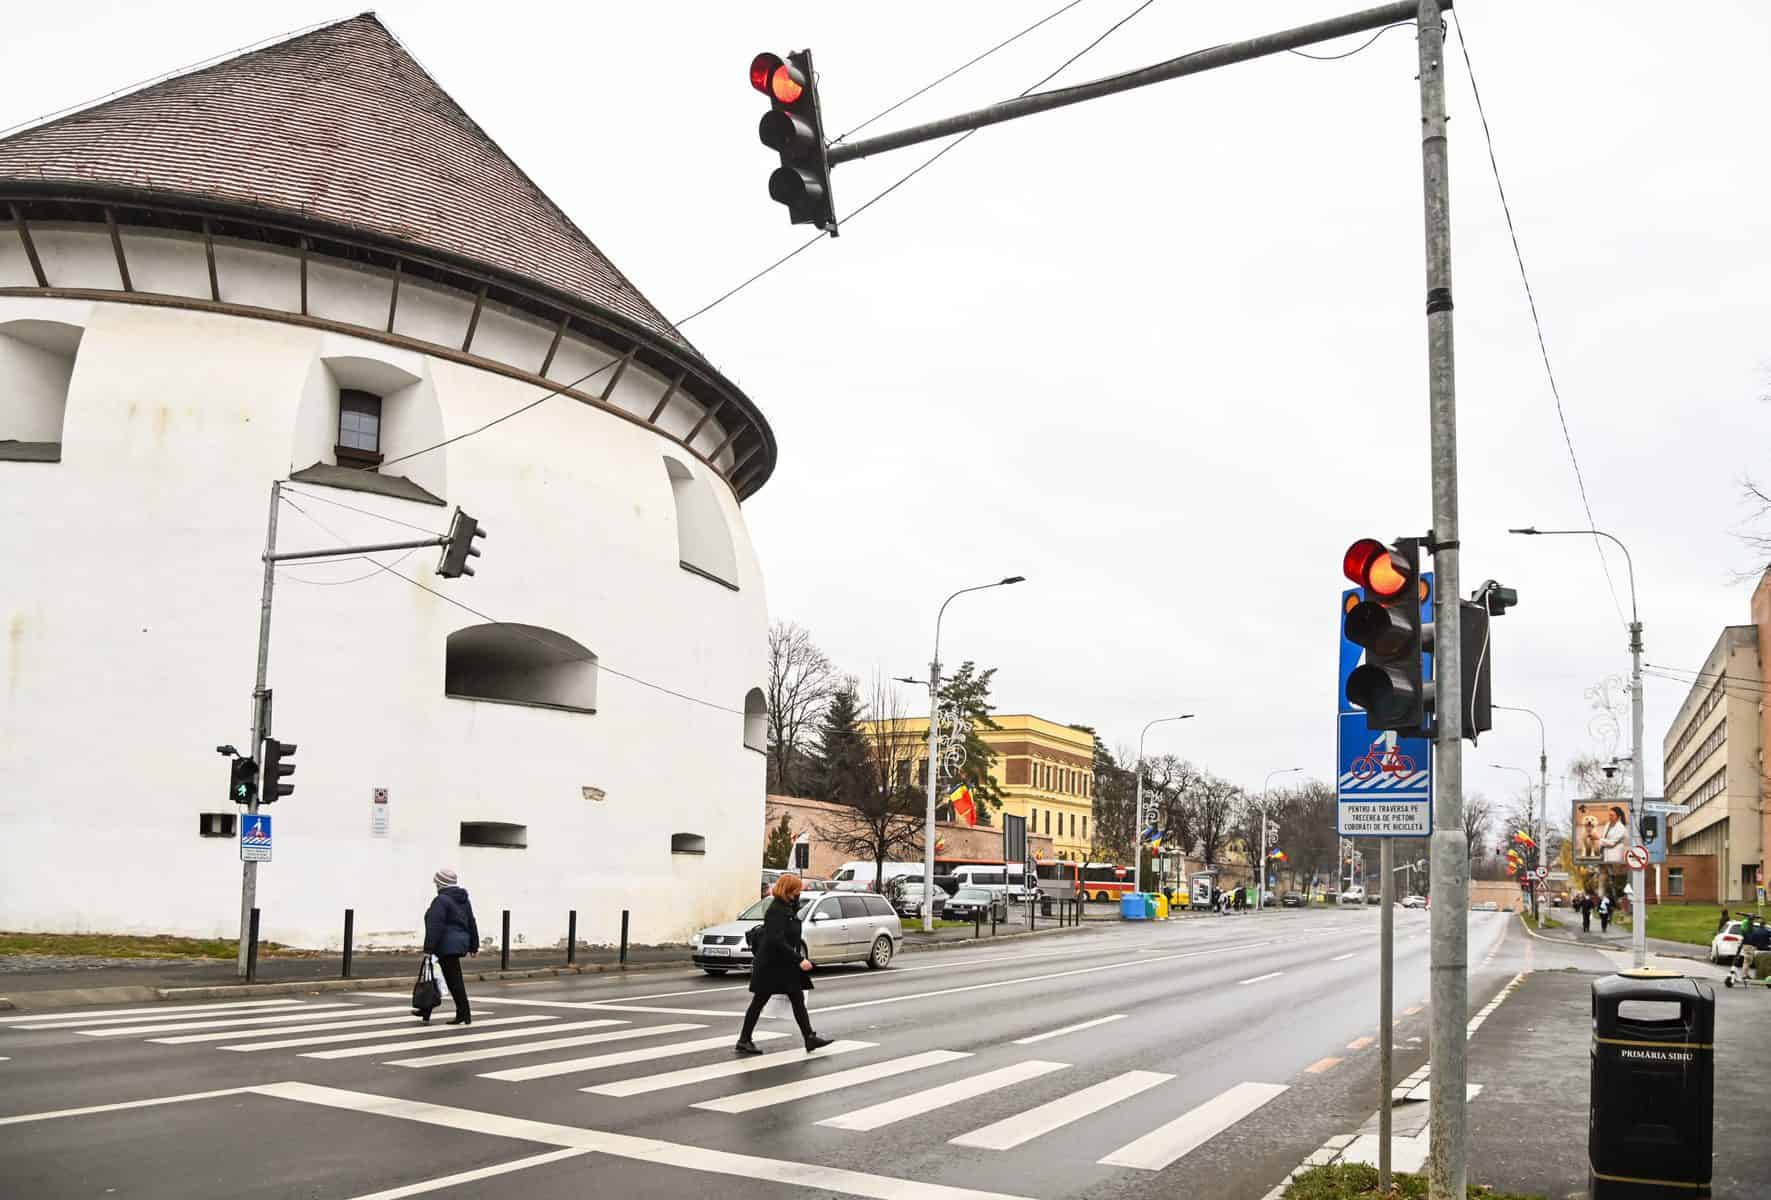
{"points": [[340, 125]]}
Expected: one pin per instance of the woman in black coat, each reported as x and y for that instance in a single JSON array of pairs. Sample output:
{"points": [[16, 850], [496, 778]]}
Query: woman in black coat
{"points": [[450, 932], [780, 966]]}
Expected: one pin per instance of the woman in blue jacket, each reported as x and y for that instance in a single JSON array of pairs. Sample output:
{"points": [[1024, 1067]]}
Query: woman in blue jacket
{"points": [[449, 933]]}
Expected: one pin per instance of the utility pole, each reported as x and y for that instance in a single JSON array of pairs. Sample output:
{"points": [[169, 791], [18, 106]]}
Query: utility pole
{"points": [[261, 716]]}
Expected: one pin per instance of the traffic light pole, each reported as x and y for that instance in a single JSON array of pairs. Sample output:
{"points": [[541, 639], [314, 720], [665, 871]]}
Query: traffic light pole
{"points": [[261, 716]]}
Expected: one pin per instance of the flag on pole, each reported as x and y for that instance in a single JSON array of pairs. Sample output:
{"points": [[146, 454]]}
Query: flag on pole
{"points": [[964, 807]]}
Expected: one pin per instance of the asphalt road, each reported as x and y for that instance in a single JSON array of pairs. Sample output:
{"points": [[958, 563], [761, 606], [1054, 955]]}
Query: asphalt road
{"points": [[1207, 1054]]}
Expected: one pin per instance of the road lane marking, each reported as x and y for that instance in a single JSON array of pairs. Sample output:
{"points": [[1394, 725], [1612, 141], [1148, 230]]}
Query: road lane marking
{"points": [[1260, 978], [448, 1057], [1359, 1043], [1340, 958], [449, 1181], [158, 1012], [808, 1176], [369, 1035], [640, 1084], [1186, 1133], [889, 1112], [675, 1012], [1323, 1064], [1010, 1132], [498, 1035], [187, 1039], [321, 1013], [818, 1084], [620, 1059], [24, 1118], [1081, 1025]]}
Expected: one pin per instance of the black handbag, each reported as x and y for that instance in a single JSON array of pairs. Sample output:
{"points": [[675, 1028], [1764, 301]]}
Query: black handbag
{"points": [[426, 995]]}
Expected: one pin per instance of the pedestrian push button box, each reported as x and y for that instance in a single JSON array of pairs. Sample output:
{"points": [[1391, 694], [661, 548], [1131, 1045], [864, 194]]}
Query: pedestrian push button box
{"points": [[1653, 1087]]}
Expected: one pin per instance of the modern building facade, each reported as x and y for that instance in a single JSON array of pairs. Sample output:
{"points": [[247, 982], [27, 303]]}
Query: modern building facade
{"points": [[307, 264], [1045, 770], [1712, 762]]}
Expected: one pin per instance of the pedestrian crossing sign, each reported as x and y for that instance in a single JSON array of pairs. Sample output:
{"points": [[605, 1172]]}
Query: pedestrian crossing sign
{"points": [[1384, 781], [255, 837]]}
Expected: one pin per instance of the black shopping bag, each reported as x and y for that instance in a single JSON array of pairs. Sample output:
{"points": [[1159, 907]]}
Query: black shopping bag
{"points": [[426, 995]]}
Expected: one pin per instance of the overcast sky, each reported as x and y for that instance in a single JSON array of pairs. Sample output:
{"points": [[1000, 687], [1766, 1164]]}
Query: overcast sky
{"points": [[1150, 350]]}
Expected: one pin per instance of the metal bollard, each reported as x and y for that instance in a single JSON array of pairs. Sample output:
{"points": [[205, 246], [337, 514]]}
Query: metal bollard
{"points": [[993, 919], [504, 944], [350, 924], [571, 936], [977, 925], [624, 937], [252, 949]]}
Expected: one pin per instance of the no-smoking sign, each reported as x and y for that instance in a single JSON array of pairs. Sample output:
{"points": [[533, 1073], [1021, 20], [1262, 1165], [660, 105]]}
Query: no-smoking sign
{"points": [[1637, 857]]}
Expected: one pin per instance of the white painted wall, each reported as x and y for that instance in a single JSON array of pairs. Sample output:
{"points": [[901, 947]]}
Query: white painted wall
{"points": [[128, 620]]}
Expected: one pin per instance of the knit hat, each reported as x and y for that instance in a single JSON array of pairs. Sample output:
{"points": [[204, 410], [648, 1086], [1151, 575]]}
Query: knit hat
{"points": [[445, 878]]}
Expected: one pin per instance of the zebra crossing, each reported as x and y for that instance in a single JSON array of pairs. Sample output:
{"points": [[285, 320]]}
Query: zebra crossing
{"points": [[1060, 1096]]}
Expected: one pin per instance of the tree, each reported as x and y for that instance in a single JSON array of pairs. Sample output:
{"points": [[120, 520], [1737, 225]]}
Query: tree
{"points": [[1111, 832], [1306, 818], [801, 684], [967, 692], [1215, 805], [841, 771], [1478, 817], [778, 850], [883, 814]]}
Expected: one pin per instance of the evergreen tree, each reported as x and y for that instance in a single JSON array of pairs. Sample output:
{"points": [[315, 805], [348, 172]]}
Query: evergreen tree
{"points": [[841, 768], [778, 850], [967, 691]]}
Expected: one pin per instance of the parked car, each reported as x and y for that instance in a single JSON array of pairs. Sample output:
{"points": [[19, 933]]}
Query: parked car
{"points": [[818, 885], [1353, 895], [1292, 900], [838, 926], [1725, 946], [1485, 906], [1414, 902], [907, 899], [977, 903], [770, 875], [1374, 898]]}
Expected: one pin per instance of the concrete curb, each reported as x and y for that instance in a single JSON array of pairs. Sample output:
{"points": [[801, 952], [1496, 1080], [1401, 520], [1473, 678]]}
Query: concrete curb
{"points": [[1695, 954]]}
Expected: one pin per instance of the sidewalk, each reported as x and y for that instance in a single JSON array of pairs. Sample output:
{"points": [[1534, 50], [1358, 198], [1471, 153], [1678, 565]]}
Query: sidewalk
{"points": [[1617, 938]]}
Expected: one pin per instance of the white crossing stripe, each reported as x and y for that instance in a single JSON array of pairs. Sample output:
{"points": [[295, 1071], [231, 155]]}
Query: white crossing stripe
{"points": [[347, 1022], [148, 1012], [622, 1058], [552, 1043], [1076, 1028], [320, 1012], [1010, 1132], [781, 1093], [369, 1035], [889, 1112], [1191, 1130], [640, 1084]]}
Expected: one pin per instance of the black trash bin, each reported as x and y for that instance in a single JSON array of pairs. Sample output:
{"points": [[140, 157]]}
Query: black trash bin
{"points": [[1045, 905], [1652, 1094]]}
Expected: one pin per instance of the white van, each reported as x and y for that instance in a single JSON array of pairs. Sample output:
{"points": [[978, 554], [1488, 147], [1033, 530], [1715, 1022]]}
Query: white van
{"points": [[859, 876], [1002, 880]]}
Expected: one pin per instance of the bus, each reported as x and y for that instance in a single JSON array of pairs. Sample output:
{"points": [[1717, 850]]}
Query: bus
{"points": [[1091, 881]]}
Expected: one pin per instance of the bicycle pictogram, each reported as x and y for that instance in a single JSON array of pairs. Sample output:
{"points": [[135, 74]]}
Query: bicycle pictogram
{"points": [[1391, 762]]}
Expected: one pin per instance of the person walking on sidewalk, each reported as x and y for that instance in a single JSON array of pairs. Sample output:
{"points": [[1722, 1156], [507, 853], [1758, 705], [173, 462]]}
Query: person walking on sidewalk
{"points": [[780, 966], [1584, 902], [1605, 913], [450, 932]]}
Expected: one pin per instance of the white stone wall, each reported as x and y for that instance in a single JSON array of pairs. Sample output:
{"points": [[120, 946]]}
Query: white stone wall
{"points": [[129, 589]]}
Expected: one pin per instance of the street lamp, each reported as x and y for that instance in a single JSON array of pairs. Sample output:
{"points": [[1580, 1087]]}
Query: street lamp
{"points": [[1639, 928], [1261, 892], [1543, 777], [1137, 858], [928, 831], [1529, 822]]}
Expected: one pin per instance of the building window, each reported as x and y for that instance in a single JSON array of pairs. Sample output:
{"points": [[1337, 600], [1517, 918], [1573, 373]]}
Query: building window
{"points": [[1072, 824], [687, 843], [1048, 820], [756, 720], [520, 664], [359, 428], [1085, 829], [1033, 820], [1675, 881], [36, 370], [703, 543], [501, 835], [216, 825]]}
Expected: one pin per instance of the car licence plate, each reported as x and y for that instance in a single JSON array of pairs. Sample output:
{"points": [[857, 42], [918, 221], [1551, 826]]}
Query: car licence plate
{"points": [[717, 951]]}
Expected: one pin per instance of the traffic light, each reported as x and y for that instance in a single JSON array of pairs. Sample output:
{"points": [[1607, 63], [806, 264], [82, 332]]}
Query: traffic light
{"points": [[462, 533], [243, 781], [794, 129], [276, 769], [1477, 669], [1390, 684], [1650, 828]]}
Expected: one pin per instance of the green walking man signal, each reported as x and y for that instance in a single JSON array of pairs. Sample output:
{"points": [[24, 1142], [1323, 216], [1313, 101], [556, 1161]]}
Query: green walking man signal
{"points": [[243, 781]]}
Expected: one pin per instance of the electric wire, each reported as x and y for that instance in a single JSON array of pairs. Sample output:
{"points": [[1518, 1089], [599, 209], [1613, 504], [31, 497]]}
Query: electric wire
{"points": [[1366, 44], [601, 666], [1536, 321], [288, 490]]}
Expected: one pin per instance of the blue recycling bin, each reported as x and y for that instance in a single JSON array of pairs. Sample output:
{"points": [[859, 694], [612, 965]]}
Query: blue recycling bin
{"points": [[1134, 906]]}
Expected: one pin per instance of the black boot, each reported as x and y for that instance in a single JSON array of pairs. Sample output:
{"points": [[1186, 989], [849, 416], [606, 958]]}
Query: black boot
{"points": [[814, 1041], [747, 1047]]}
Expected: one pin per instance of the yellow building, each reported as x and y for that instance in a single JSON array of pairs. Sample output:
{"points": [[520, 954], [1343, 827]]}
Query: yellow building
{"points": [[1044, 769]]}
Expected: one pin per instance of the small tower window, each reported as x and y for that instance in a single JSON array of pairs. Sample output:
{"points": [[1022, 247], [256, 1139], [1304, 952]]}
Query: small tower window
{"points": [[359, 427]]}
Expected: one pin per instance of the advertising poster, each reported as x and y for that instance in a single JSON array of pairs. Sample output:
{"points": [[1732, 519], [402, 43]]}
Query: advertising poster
{"points": [[1601, 832]]}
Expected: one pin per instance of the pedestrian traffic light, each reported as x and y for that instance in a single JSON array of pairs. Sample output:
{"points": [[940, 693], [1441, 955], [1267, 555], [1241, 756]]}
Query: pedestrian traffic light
{"points": [[243, 781], [277, 768], [460, 547], [794, 129], [1390, 684], [1476, 678]]}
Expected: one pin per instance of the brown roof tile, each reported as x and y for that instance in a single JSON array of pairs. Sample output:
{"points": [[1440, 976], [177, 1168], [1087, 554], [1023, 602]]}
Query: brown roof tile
{"points": [[340, 125]]}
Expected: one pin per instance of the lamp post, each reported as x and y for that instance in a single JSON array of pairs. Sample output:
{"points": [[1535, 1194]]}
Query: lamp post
{"points": [[1543, 781], [934, 768], [1137, 857], [1530, 823], [1638, 889], [1261, 892]]}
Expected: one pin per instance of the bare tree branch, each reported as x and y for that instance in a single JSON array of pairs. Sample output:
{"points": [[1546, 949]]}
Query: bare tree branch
{"points": [[801, 682]]}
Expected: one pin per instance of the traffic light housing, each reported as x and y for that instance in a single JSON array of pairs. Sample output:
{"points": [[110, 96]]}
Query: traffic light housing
{"points": [[1478, 666], [277, 768], [794, 129], [1650, 828], [462, 533], [242, 781], [1390, 685]]}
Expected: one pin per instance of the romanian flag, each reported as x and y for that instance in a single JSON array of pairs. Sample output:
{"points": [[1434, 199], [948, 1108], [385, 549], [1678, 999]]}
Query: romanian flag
{"points": [[964, 807]]}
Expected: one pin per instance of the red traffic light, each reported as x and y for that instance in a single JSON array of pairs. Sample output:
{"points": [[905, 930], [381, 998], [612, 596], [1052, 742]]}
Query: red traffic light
{"points": [[775, 79], [761, 67], [1371, 564]]}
